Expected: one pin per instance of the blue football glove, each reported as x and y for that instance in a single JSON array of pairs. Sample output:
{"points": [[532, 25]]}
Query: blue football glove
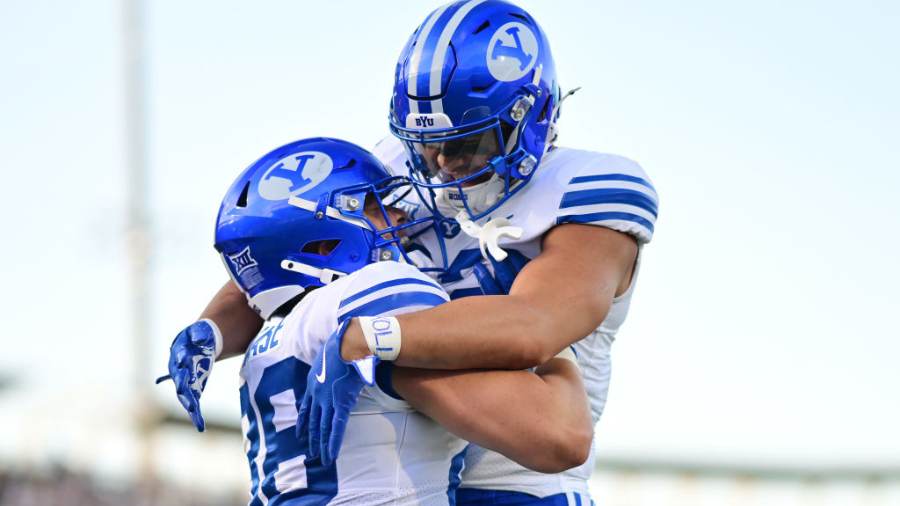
{"points": [[333, 386], [489, 285], [505, 273], [191, 358]]}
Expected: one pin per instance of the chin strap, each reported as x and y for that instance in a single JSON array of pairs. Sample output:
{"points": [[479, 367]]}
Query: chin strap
{"points": [[489, 234], [324, 275]]}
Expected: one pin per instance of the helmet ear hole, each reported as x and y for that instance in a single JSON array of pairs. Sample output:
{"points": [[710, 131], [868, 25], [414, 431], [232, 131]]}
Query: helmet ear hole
{"points": [[482, 27], [322, 248], [349, 165], [525, 19], [242, 198]]}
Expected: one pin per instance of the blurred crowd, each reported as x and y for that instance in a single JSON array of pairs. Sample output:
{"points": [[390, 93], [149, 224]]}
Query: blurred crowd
{"points": [[61, 487]]}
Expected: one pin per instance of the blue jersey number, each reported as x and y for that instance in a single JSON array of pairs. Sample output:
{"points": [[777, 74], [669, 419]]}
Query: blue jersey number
{"points": [[282, 446]]}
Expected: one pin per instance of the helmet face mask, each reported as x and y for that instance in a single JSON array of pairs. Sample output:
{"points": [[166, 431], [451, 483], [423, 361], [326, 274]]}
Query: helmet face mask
{"points": [[460, 158], [473, 95], [474, 168], [375, 205], [285, 226]]}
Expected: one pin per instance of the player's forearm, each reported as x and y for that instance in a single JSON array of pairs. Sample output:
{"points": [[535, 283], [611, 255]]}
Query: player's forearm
{"points": [[496, 332], [541, 422], [488, 332], [237, 322], [558, 298]]}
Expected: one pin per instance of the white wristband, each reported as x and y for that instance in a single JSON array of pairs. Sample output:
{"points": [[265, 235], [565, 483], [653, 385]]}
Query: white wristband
{"points": [[382, 336], [217, 335]]}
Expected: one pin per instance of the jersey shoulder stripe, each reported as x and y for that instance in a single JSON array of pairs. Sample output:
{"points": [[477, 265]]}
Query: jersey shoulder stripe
{"points": [[387, 284], [394, 304], [608, 191], [609, 196], [389, 288]]}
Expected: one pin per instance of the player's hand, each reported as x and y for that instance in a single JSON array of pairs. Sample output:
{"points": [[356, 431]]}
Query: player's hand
{"points": [[191, 358], [505, 273], [489, 285], [333, 386]]}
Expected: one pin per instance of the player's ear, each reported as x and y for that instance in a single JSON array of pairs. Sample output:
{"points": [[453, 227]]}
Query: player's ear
{"points": [[373, 211], [397, 216]]}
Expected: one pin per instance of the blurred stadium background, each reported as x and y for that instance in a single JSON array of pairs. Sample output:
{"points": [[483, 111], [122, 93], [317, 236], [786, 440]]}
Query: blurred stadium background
{"points": [[758, 365]]}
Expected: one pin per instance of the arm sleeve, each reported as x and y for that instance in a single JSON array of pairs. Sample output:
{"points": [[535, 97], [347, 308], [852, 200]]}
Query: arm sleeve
{"points": [[620, 197]]}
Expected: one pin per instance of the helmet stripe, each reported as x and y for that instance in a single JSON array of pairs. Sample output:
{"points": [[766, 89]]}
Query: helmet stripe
{"points": [[440, 52], [417, 57]]}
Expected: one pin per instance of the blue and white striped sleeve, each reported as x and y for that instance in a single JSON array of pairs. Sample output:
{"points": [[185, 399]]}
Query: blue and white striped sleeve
{"points": [[391, 297], [623, 201]]}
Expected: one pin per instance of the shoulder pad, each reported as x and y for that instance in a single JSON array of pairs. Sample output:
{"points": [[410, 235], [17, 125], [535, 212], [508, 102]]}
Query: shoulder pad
{"points": [[605, 190], [386, 288], [391, 153]]}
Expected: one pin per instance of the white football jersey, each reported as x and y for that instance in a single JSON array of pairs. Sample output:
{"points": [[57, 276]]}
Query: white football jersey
{"points": [[569, 186], [391, 454]]}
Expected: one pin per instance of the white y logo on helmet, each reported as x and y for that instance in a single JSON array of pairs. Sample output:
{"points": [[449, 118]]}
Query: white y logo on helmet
{"points": [[512, 52], [294, 175]]}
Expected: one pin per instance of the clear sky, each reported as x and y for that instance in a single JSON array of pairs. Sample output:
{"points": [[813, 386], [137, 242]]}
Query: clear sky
{"points": [[764, 324]]}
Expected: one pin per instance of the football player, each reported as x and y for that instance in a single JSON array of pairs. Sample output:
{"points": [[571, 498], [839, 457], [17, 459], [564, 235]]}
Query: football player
{"points": [[474, 112], [474, 107], [305, 236]]}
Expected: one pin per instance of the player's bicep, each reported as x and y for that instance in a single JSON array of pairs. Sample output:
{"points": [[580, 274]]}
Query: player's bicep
{"points": [[575, 278]]}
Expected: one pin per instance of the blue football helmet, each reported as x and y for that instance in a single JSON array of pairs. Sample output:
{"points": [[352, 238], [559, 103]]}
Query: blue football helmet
{"points": [[299, 217], [475, 101]]}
